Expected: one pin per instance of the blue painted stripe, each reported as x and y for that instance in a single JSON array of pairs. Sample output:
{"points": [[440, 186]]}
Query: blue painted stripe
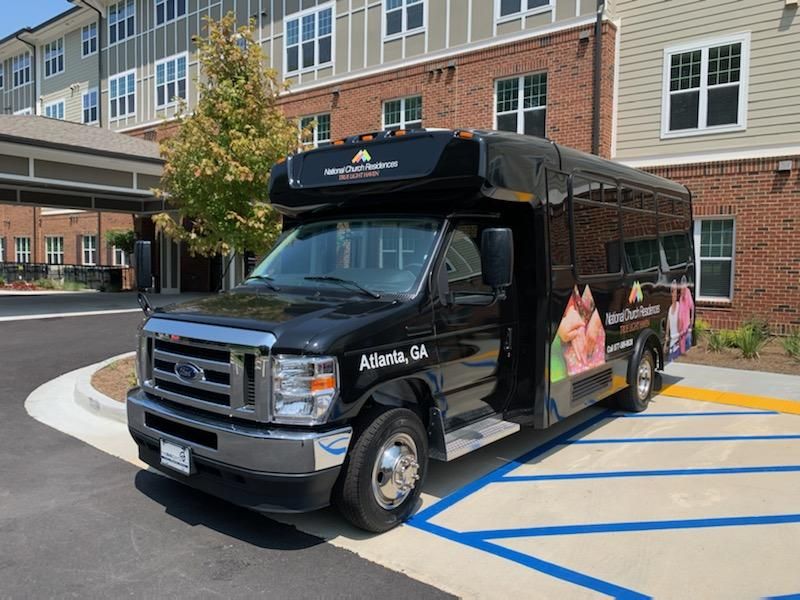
{"points": [[496, 534], [481, 482], [787, 597], [652, 473], [721, 413], [548, 568], [709, 438]]}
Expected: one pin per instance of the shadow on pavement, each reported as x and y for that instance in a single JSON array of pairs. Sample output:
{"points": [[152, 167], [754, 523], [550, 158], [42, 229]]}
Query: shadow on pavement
{"points": [[197, 508]]}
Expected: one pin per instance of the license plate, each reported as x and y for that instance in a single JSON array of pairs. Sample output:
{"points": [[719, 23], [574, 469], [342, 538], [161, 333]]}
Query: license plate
{"points": [[176, 457]]}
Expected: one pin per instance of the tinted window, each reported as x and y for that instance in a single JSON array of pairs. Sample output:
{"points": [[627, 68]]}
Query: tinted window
{"points": [[463, 259], [596, 228], [674, 218], [639, 230]]}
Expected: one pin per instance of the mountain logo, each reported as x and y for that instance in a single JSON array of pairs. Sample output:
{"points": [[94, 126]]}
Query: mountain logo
{"points": [[636, 294], [361, 156]]}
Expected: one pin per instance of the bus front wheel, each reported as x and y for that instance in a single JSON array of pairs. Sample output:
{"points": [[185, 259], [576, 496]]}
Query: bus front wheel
{"points": [[641, 377]]}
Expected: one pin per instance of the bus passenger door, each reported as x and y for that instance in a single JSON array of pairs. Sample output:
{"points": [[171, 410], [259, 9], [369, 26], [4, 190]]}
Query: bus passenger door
{"points": [[475, 342]]}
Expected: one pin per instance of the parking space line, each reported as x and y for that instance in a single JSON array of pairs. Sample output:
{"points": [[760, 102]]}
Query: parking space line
{"points": [[497, 534], [722, 413], [787, 597], [733, 398], [651, 473], [697, 438]]}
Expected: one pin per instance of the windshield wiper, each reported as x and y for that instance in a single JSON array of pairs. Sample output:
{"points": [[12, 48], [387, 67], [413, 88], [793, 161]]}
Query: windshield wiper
{"points": [[266, 280], [333, 279]]}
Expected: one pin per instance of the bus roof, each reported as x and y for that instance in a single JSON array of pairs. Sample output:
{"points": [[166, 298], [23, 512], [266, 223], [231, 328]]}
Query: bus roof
{"points": [[421, 160]]}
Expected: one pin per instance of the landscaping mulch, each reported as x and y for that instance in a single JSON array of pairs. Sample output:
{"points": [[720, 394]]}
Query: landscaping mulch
{"points": [[772, 358], [116, 379]]}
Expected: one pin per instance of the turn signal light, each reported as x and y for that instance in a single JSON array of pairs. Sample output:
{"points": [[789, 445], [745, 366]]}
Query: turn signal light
{"points": [[338, 143], [367, 137], [400, 132], [465, 135], [320, 383]]}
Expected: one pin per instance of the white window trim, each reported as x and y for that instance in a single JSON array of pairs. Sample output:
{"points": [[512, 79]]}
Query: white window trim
{"points": [[85, 248], [15, 70], [698, 228], [520, 101], [56, 103], [522, 14], [173, 19], [43, 50], [404, 31], [169, 103], [135, 96], [49, 252], [315, 141], [2, 76], [96, 37], [109, 43], [299, 17], [403, 123], [27, 253], [2, 249], [97, 105], [114, 261], [744, 76], [26, 112]]}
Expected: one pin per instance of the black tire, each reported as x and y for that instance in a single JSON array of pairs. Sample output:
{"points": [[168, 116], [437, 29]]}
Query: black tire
{"points": [[641, 379], [354, 494]]}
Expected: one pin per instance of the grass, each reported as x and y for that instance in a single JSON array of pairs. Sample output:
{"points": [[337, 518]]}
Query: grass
{"points": [[54, 284], [792, 345]]}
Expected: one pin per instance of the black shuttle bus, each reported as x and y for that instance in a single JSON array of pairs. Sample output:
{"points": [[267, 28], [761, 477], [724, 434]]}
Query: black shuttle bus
{"points": [[433, 291]]}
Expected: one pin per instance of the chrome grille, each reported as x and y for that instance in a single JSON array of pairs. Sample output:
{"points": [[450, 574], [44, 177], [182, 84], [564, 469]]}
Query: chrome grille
{"points": [[211, 375]]}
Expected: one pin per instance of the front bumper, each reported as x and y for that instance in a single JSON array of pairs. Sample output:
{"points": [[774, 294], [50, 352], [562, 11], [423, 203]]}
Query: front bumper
{"points": [[267, 469]]}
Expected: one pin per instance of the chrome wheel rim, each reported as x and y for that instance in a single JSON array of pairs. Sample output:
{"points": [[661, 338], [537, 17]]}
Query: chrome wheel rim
{"points": [[644, 378], [396, 471]]}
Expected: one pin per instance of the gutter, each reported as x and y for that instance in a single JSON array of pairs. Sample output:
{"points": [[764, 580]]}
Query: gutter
{"points": [[99, 56], [597, 79]]}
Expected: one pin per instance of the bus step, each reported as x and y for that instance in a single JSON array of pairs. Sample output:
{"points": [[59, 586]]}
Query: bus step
{"points": [[473, 436]]}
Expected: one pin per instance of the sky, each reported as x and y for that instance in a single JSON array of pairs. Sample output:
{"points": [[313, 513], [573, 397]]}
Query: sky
{"points": [[23, 13]]}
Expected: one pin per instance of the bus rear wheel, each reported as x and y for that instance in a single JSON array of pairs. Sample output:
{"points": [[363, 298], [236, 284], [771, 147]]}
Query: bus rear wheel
{"points": [[383, 474], [641, 377]]}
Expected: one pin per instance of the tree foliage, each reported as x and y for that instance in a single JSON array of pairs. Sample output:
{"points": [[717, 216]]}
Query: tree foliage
{"points": [[124, 239], [218, 164]]}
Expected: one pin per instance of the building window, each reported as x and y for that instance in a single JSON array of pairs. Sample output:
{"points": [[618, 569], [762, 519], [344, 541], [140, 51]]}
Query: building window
{"points": [[319, 134], [89, 103], [2, 249], [714, 244], [309, 40], [119, 258], [54, 57], [403, 113], [89, 250], [121, 21], [169, 10], [170, 81], [2, 77], [521, 104], [705, 87], [22, 249], [517, 8], [89, 40], [24, 112], [54, 250], [54, 110], [122, 96], [21, 69], [404, 16]]}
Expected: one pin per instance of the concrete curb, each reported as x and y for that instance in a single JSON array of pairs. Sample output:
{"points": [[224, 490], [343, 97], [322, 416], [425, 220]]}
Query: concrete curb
{"points": [[94, 401]]}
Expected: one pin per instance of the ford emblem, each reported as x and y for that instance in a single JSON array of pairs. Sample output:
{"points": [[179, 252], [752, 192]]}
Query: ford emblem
{"points": [[189, 372]]}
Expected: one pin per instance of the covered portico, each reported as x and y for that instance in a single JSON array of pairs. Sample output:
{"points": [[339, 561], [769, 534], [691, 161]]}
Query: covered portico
{"points": [[58, 164]]}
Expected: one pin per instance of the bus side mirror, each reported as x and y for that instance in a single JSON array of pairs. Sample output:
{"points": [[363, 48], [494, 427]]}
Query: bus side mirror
{"points": [[497, 258], [142, 265]]}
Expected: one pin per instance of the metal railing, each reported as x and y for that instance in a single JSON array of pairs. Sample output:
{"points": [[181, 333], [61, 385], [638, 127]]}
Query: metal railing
{"points": [[106, 278]]}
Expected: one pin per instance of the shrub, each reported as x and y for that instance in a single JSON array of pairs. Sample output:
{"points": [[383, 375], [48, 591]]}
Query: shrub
{"points": [[46, 284], [792, 345], [729, 337], [716, 342], [2, 281], [73, 286], [750, 340], [759, 325], [701, 330]]}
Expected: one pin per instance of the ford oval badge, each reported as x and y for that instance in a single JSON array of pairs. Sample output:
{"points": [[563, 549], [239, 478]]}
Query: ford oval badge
{"points": [[189, 372]]}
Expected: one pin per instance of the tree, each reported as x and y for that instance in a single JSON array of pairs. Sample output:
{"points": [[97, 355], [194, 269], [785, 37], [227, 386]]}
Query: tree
{"points": [[218, 163], [124, 239]]}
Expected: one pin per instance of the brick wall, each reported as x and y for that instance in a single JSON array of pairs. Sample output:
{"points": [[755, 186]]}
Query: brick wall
{"points": [[765, 205], [23, 221]]}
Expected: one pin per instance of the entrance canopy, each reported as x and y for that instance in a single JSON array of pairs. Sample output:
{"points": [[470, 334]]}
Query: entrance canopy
{"points": [[53, 163]]}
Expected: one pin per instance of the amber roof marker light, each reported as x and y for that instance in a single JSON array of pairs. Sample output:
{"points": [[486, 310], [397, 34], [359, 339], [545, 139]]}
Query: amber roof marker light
{"points": [[465, 135]]}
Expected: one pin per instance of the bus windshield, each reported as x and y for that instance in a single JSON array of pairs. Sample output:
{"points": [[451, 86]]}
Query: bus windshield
{"points": [[371, 256]]}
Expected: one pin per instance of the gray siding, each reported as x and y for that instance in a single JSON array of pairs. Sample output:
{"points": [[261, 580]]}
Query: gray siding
{"points": [[650, 26], [15, 99]]}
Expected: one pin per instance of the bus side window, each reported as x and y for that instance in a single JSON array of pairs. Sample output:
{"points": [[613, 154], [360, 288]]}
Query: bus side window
{"points": [[463, 259], [558, 213], [674, 217], [639, 231], [595, 228]]}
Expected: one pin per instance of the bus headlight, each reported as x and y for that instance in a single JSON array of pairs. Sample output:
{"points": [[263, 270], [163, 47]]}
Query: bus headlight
{"points": [[303, 388]]}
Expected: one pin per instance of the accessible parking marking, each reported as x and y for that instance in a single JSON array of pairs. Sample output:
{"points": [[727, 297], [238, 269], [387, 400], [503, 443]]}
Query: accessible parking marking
{"points": [[503, 502]]}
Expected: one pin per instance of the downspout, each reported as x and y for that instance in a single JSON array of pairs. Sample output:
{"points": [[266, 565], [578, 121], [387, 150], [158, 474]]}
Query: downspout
{"points": [[34, 71], [597, 77], [99, 60]]}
